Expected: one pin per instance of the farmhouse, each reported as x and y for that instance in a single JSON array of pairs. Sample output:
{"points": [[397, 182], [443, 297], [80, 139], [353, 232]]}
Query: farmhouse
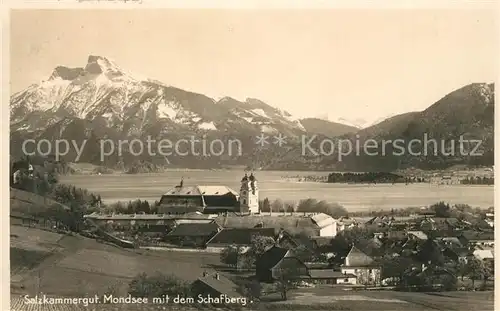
{"points": [[329, 276], [344, 223], [238, 237], [192, 234], [473, 238], [127, 221], [367, 272], [215, 286], [276, 262]]}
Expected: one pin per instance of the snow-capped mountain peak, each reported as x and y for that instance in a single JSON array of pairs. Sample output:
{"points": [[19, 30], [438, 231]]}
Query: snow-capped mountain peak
{"points": [[99, 64], [102, 90]]}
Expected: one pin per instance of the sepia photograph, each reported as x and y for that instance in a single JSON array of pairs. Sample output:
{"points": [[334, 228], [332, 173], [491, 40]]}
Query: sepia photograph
{"points": [[233, 159]]}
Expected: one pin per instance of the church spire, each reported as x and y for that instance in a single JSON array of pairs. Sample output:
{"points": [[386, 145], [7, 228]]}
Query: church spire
{"points": [[245, 178]]}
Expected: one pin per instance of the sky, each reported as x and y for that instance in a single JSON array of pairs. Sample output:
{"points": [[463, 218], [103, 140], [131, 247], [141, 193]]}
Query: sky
{"points": [[351, 64]]}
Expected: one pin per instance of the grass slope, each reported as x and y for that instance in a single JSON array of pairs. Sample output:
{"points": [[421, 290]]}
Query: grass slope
{"points": [[73, 265], [28, 203]]}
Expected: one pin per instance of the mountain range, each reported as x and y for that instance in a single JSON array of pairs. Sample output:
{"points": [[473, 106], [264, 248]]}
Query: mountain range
{"points": [[103, 101]]}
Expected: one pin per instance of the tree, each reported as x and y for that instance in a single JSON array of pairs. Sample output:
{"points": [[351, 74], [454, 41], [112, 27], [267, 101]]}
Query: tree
{"points": [[235, 257], [307, 205], [229, 256], [277, 206], [489, 270], [259, 245], [287, 278], [290, 207], [461, 269], [265, 205], [396, 268], [251, 289], [441, 209], [431, 253], [336, 211], [475, 270]]}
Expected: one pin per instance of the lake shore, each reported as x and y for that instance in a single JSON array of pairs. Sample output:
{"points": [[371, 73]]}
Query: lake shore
{"points": [[354, 197]]}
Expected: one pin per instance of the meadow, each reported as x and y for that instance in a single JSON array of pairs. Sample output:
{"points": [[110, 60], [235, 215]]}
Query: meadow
{"points": [[124, 187]]}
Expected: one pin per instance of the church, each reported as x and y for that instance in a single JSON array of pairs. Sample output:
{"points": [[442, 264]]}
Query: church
{"points": [[209, 199]]}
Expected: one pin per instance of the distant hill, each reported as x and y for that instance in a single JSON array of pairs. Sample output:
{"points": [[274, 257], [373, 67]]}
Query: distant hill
{"points": [[467, 112], [391, 126], [327, 128]]}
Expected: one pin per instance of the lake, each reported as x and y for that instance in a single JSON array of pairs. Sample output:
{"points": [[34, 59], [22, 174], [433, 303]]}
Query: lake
{"points": [[124, 187]]}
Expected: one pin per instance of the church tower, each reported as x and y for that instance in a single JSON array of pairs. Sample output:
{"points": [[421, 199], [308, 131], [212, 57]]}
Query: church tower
{"points": [[249, 194]]}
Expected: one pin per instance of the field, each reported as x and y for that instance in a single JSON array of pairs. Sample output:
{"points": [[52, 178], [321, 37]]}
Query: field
{"points": [[390, 300], [73, 265], [126, 187]]}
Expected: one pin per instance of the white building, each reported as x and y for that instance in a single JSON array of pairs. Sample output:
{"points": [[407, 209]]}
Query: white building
{"points": [[249, 194], [326, 224]]}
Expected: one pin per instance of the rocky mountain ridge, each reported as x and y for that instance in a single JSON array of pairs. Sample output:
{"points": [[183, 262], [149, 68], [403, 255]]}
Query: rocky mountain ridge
{"points": [[103, 101]]}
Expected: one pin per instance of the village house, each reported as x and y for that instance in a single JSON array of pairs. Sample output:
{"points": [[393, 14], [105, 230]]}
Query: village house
{"points": [[330, 276], [477, 238], [323, 245], [445, 180], [435, 276], [192, 234], [154, 222], [441, 224], [345, 223], [417, 235], [452, 249], [490, 219], [214, 285], [484, 254], [241, 237], [277, 263], [365, 269], [20, 168], [318, 224], [379, 221]]}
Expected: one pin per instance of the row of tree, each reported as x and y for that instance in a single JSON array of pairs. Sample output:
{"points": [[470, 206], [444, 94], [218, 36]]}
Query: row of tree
{"points": [[132, 207], [478, 180], [371, 177], [303, 206]]}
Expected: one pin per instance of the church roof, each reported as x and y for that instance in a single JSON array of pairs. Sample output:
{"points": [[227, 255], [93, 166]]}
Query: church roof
{"points": [[200, 190], [216, 190], [245, 178], [193, 190]]}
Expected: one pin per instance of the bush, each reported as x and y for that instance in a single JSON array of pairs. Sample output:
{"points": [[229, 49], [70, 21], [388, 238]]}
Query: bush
{"points": [[158, 285]]}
